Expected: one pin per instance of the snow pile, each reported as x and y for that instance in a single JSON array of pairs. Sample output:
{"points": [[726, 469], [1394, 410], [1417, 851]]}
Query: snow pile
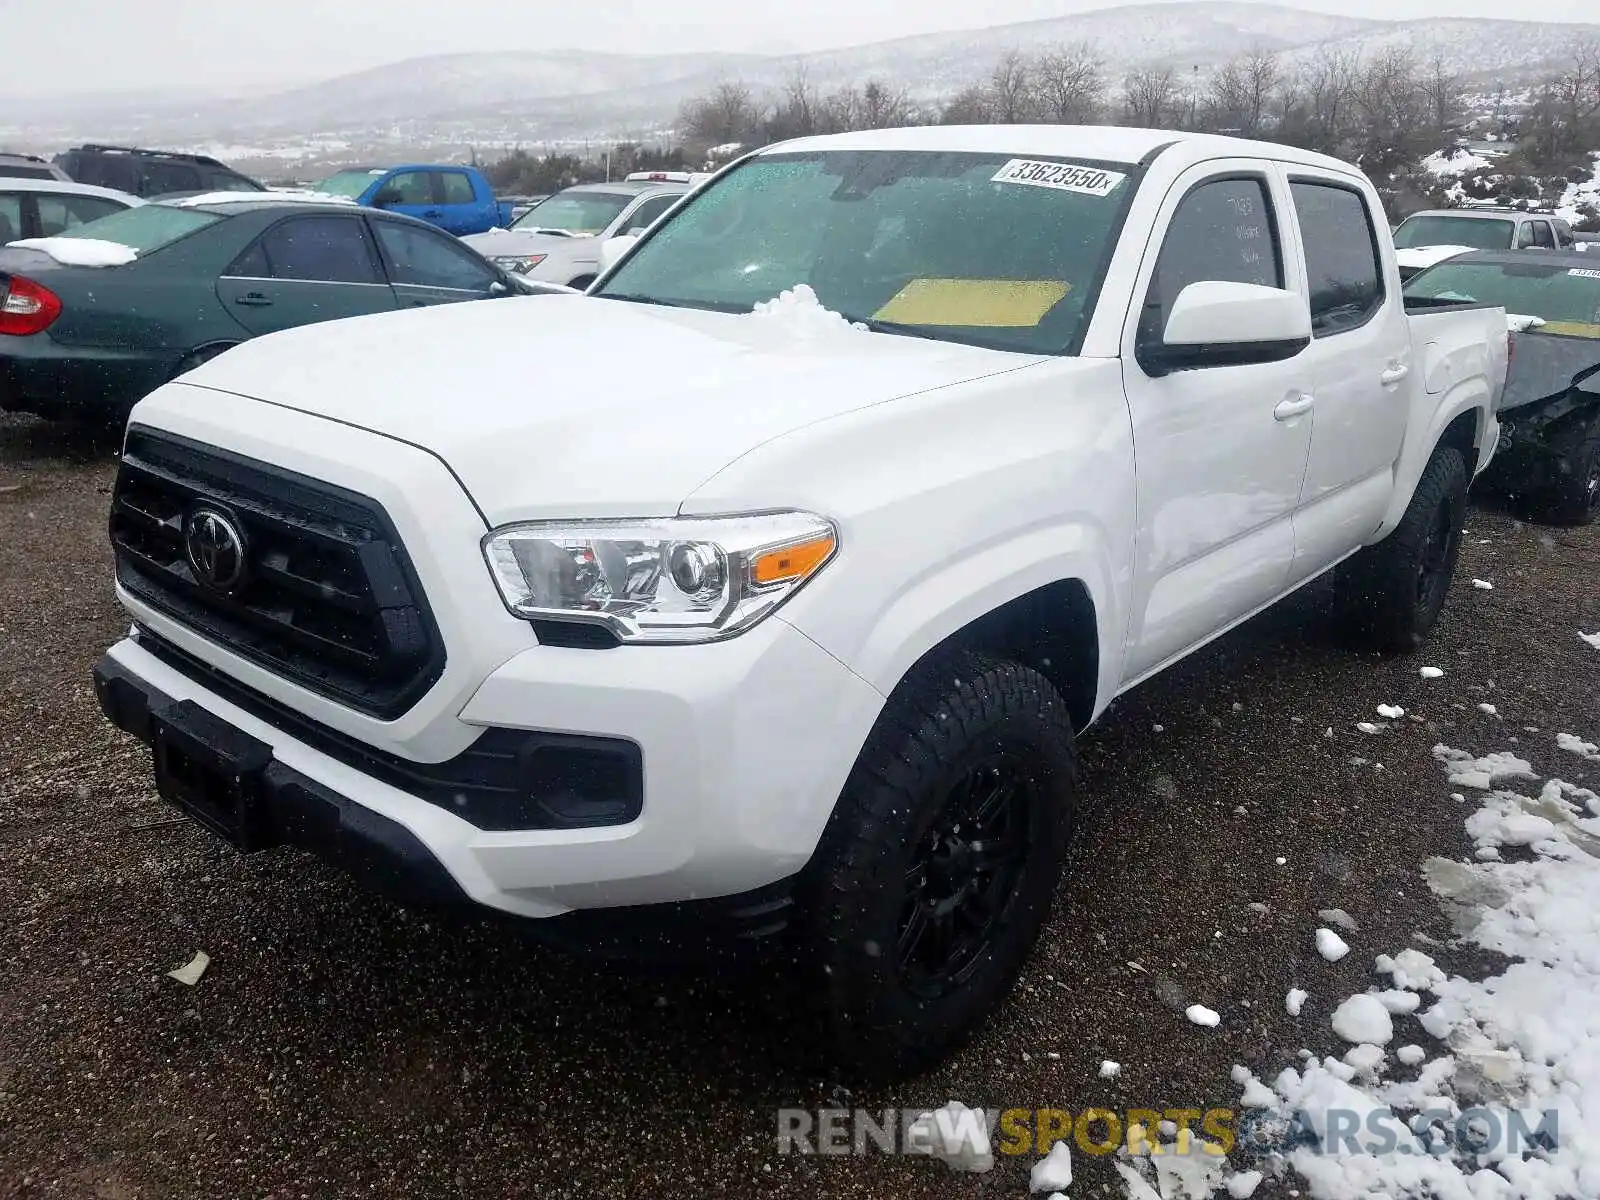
{"points": [[1053, 1172], [1592, 638], [956, 1135], [1447, 164], [1481, 773], [1509, 1107], [212, 199], [79, 252], [1331, 946], [1180, 1166], [799, 310], [1573, 744], [1581, 199], [1199, 1014]]}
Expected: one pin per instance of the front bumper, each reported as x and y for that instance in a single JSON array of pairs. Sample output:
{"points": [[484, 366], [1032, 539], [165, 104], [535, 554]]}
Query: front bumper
{"points": [[744, 747]]}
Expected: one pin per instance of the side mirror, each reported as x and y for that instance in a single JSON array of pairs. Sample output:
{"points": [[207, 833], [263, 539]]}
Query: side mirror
{"points": [[1217, 324], [386, 197], [613, 248]]}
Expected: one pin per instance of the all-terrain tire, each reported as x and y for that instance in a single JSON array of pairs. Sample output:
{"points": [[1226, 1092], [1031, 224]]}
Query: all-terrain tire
{"points": [[1574, 499], [1389, 595], [957, 726]]}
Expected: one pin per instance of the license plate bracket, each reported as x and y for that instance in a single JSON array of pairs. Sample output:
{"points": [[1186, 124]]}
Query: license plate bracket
{"points": [[213, 771]]}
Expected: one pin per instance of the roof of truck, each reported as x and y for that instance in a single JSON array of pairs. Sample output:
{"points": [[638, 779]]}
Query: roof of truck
{"points": [[1105, 143]]}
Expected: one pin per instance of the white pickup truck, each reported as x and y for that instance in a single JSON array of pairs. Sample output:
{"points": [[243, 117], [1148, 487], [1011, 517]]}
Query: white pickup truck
{"points": [[797, 643]]}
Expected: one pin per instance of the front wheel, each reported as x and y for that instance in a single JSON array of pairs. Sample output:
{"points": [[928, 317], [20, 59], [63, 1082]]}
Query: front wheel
{"points": [[1391, 593], [935, 875]]}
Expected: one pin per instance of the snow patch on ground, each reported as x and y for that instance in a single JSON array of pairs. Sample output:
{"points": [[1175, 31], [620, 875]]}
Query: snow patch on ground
{"points": [[1512, 1049], [1447, 164], [1331, 946], [1201, 1015], [1592, 638], [1576, 745], [80, 252], [956, 1135], [1053, 1172]]}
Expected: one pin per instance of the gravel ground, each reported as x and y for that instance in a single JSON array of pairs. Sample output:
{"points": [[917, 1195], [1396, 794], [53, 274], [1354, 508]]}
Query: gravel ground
{"points": [[341, 1047]]}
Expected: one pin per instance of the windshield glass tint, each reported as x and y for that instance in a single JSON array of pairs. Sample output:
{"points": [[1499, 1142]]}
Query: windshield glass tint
{"points": [[146, 228], [575, 212], [1565, 295], [979, 248], [349, 184], [1481, 233]]}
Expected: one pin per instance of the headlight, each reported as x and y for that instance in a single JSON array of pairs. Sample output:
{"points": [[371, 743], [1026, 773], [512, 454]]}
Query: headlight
{"points": [[518, 264], [673, 579]]}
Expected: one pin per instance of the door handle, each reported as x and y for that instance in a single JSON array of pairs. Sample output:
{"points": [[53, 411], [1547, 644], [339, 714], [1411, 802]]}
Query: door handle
{"points": [[433, 212], [1295, 406], [253, 300], [1393, 374]]}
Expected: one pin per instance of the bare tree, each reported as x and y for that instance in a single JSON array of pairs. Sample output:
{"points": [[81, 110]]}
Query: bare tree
{"points": [[1150, 96], [798, 112], [1010, 87], [883, 107], [728, 113], [1068, 84], [1328, 82], [970, 106], [1441, 91], [1576, 92]]}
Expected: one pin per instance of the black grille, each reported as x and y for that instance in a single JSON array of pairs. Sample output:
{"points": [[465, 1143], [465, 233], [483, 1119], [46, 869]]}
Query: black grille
{"points": [[327, 598]]}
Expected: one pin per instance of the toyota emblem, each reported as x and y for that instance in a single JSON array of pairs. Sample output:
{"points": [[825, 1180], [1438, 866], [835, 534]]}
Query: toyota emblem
{"points": [[215, 548]]}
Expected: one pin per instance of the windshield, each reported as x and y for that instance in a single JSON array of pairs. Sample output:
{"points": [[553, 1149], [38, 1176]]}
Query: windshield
{"points": [[1481, 233], [976, 248], [145, 228], [575, 212], [1567, 298], [349, 184]]}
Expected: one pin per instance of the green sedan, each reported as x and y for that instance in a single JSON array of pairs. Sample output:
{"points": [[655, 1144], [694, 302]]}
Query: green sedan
{"points": [[94, 319]]}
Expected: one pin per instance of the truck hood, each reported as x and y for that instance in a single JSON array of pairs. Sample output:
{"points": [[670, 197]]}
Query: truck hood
{"points": [[571, 406], [503, 242]]}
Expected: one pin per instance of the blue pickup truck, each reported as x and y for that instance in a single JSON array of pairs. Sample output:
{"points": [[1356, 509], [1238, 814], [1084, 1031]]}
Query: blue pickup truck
{"points": [[458, 200]]}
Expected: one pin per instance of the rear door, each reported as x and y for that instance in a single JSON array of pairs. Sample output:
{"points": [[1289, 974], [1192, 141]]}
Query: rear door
{"points": [[415, 195], [461, 209], [426, 267], [1360, 359], [304, 269]]}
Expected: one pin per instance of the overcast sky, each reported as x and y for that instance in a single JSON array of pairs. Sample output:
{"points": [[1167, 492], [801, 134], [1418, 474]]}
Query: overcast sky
{"points": [[57, 46]]}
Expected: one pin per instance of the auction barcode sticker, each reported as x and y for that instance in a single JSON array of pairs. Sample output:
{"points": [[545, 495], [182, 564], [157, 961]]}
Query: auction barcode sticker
{"points": [[1584, 272], [1064, 177]]}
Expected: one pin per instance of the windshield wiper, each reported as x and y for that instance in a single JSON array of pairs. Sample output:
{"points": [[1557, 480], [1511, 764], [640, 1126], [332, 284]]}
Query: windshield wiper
{"points": [[933, 333], [703, 305]]}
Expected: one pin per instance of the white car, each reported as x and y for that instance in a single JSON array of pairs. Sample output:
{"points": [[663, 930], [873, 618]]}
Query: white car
{"points": [[559, 239], [35, 208], [967, 431]]}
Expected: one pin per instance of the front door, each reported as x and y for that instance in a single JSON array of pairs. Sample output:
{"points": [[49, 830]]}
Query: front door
{"points": [[426, 267], [304, 269], [1220, 451]]}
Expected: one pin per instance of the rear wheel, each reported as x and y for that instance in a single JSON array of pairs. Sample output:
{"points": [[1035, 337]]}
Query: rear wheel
{"points": [[1390, 594], [935, 875], [1575, 498]]}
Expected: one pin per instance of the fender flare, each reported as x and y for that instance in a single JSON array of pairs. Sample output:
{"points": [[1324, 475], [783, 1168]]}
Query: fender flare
{"points": [[930, 610], [1468, 396]]}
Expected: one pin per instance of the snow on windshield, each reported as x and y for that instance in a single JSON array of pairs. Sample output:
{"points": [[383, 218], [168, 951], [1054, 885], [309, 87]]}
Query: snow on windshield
{"points": [[797, 309], [79, 252]]}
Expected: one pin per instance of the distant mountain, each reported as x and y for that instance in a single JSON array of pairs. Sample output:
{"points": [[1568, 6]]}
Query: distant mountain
{"points": [[507, 97]]}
